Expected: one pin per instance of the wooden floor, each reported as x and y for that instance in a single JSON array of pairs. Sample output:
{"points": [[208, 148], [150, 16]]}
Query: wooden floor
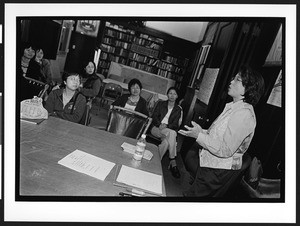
{"points": [[174, 186]]}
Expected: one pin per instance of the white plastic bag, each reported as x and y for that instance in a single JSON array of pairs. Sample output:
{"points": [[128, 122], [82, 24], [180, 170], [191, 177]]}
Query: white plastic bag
{"points": [[33, 109]]}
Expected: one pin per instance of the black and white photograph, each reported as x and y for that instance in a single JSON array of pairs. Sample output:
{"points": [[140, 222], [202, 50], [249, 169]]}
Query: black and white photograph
{"points": [[174, 115]]}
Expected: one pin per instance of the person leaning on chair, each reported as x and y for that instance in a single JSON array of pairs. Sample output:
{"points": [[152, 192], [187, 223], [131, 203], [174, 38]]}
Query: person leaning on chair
{"points": [[133, 101], [66, 102], [229, 136], [165, 124]]}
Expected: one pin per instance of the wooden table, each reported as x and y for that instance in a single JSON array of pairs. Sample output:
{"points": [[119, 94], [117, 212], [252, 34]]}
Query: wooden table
{"points": [[43, 145], [144, 93]]}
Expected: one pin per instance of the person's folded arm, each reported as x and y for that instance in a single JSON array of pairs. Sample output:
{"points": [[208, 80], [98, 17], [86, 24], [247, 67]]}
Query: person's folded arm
{"points": [[78, 112], [92, 92], [240, 125]]}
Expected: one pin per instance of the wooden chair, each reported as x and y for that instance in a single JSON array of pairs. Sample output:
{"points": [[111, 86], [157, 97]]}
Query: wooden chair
{"points": [[127, 122], [110, 93]]}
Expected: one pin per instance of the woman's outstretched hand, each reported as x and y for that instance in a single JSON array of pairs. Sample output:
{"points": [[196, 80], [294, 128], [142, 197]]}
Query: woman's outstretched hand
{"points": [[191, 131]]}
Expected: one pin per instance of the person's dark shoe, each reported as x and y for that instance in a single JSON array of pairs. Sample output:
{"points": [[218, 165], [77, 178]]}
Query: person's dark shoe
{"points": [[173, 168], [175, 171], [191, 180]]}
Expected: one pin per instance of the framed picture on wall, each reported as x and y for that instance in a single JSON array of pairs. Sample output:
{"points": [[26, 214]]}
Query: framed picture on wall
{"points": [[275, 55], [88, 27]]}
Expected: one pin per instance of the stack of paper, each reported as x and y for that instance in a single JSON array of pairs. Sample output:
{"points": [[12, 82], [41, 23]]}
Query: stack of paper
{"points": [[131, 149], [140, 179]]}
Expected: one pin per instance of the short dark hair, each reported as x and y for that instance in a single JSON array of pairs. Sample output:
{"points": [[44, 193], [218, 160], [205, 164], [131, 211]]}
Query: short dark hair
{"points": [[173, 88], [26, 45], [23, 46], [65, 76], [253, 83], [134, 81]]}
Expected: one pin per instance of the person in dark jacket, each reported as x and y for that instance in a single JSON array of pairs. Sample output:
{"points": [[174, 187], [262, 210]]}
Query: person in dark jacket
{"points": [[91, 82], [67, 103], [165, 125], [39, 68], [27, 87], [133, 101]]}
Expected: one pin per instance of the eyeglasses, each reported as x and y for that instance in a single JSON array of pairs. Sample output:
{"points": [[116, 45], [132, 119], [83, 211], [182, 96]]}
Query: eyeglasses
{"points": [[74, 78]]}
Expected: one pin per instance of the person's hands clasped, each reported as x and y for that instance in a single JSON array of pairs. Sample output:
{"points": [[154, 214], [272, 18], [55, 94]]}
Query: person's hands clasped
{"points": [[191, 131], [162, 126]]}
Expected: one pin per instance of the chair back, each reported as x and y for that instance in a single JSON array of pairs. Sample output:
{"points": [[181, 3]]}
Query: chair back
{"points": [[86, 118], [127, 123], [112, 91]]}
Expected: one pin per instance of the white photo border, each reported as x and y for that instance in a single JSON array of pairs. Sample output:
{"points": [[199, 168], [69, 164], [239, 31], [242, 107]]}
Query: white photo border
{"points": [[149, 212]]}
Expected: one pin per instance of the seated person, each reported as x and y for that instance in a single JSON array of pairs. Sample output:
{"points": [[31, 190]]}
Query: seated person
{"points": [[39, 68], [165, 123], [67, 103], [133, 101], [26, 88], [227, 139], [91, 83]]}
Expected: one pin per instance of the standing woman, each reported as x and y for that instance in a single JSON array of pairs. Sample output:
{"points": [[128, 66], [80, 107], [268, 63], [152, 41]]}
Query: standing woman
{"points": [[91, 83], [67, 103], [133, 101], [223, 145], [165, 124]]}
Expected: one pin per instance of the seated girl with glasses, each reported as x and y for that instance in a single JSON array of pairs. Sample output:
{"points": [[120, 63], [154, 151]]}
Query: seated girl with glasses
{"points": [[66, 102]]}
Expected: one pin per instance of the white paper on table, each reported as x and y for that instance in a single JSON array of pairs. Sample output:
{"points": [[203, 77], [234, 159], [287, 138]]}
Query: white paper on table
{"points": [[141, 179], [88, 164]]}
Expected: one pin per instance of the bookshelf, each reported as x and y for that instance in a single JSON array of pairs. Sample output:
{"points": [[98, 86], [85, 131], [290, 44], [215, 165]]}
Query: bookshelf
{"points": [[135, 48]]}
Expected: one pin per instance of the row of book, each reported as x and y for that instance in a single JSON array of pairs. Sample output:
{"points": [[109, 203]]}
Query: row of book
{"points": [[150, 38], [182, 62], [140, 66], [105, 63], [117, 43], [142, 58], [119, 28], [144, 50], [148, 43], [170, 75], [170, 67], [119, 35]]}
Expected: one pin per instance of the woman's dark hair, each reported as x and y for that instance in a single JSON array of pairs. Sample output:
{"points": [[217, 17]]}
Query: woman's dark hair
{"points": [[253, 83], [172, 88], [23, 46], [132, 82], [87, 63]]}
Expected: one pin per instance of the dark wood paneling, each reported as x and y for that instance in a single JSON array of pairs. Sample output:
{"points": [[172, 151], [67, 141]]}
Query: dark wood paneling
{"points": [[81, 50], [45, 34]]}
